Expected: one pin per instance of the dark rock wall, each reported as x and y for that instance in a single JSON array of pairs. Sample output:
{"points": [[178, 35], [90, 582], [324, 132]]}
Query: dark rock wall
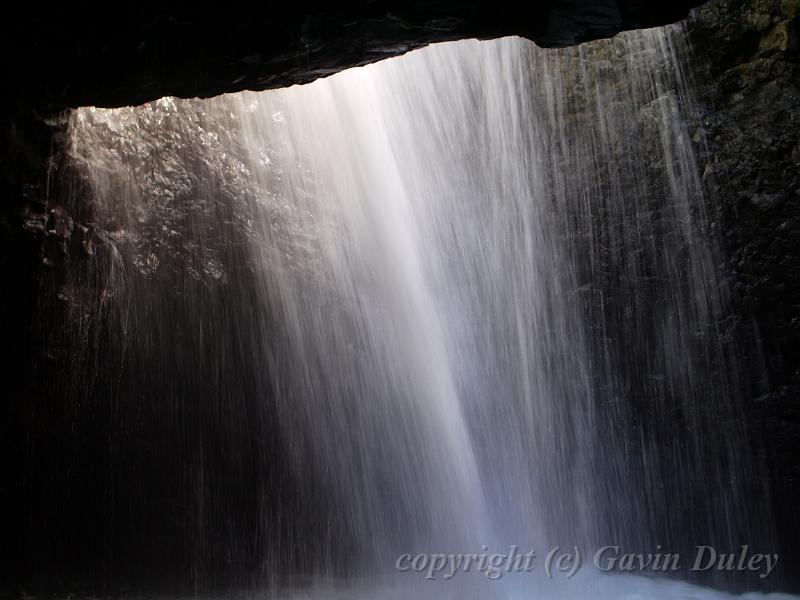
{"points": [[68, 56], [747, 69]]}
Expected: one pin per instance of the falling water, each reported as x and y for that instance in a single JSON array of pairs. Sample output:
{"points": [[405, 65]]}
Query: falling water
{"points": [[467, 297]]}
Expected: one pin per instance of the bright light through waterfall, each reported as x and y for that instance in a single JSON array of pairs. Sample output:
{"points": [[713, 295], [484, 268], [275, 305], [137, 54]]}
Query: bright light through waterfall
{"points": [[469, 297]]}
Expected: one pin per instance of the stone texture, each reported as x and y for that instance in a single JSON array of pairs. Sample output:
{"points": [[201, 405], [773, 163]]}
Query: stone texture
{"points": [[748, 73], [68, 56], [747, 70]]}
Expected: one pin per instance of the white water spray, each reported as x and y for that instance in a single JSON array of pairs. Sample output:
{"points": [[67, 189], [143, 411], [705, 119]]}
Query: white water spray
{"points": [[491, 289]]}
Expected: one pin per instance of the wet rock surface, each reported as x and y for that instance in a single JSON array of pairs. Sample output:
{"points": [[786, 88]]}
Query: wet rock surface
{"points": [[747, 70]]}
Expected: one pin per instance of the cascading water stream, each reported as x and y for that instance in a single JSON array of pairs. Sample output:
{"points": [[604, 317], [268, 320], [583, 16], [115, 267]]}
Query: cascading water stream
{"points": [[476, 285]]}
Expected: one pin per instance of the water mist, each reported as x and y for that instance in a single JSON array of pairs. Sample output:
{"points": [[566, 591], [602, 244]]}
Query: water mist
{"points": [[469, 297]]}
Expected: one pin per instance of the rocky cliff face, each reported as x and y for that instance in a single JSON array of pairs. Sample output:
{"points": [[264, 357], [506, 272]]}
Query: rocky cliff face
{"points": [[747, 69], [748, 72]]}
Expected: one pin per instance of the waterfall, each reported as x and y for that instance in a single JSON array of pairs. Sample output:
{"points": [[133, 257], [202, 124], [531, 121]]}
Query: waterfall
{"points": [[469, 297]]}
